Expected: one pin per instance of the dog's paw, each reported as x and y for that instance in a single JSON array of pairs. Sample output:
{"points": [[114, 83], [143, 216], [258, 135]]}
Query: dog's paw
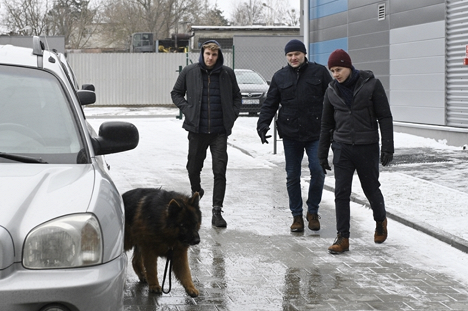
{"points": [[192, 291], [155, 289], [143, 280]]}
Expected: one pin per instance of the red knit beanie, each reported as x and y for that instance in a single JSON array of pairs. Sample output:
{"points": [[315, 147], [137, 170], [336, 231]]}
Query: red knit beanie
{"points": [[339, 58]]}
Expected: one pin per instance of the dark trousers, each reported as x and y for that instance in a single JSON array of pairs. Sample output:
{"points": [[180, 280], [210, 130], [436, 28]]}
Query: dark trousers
{"points": [[364, 159], [198, 144]]}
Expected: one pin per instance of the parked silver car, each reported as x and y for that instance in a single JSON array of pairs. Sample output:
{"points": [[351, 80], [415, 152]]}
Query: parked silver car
{"points": [[62, 218], [254, 89]]}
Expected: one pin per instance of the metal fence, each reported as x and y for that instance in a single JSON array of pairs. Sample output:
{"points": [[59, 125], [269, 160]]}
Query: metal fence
{"points": [[146, 79]]}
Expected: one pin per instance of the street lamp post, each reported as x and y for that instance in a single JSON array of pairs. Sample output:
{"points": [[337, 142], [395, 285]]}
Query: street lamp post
{"points": [[270, 10]]}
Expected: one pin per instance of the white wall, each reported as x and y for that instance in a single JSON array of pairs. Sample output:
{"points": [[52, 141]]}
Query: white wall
{"points": [[417, 73]]}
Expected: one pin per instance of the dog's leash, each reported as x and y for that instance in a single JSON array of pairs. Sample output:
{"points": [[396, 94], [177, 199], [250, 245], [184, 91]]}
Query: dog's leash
{"points": [[168, 263]]}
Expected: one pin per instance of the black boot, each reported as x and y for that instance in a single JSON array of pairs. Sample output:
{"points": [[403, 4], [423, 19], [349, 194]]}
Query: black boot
{"points": [[217, 220]]}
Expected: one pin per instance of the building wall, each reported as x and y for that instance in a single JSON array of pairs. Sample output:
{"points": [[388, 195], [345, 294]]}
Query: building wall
{"points": [[417, 73], [410, 51]]}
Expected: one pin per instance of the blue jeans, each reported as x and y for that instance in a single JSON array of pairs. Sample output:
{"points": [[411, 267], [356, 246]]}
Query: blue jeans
{"points": [[294, 152]]}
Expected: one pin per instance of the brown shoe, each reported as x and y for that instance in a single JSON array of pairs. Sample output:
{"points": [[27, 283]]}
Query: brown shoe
{"points": [[314, 223], [340, 245], [298, 224], [381, 233]]}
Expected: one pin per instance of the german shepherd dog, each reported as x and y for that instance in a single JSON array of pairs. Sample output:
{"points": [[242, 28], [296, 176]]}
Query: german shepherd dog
{"points": [[158, 222]]}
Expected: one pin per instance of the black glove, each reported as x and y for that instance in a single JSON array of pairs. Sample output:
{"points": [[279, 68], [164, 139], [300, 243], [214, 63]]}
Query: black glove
{"points": [[263, 135], [386, 158], [325, 166]]}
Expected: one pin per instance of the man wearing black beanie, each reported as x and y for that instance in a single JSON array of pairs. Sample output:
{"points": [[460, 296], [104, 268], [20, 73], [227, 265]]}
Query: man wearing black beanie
{"points": [[299, 87]]}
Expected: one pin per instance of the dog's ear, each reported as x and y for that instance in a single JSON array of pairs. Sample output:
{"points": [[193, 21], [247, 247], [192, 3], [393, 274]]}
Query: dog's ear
{"points": [[174, 207], [194, 199]]}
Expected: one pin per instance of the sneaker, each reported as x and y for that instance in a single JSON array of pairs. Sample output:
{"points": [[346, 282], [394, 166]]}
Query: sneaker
{"points": [[298, 224], [201, 192], [217, 220], [314, 223], [381, 233], [340, 245]]}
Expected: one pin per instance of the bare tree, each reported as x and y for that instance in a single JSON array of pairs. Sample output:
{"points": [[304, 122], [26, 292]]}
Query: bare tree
{"points": [[75, 20], [21, 15], [276, 13], [292, 17], [121, 18], [248, 13]]}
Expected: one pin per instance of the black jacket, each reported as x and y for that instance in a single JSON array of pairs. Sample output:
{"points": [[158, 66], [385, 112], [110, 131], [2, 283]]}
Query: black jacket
{"points": [[300, 92], [359, 123], [190, 84]]}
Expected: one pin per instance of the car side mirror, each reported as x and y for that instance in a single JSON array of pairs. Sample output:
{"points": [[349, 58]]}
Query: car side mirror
{"points": [[86, 97], [114, 137], [89, 87]]}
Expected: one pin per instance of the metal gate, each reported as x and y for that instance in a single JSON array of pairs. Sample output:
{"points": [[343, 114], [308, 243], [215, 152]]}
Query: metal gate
{"points": [[456, 72]]}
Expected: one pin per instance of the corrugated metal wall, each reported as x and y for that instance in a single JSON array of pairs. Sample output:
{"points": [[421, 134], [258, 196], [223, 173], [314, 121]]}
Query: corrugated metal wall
{"points": [[131, 79], [457, 73], [128, 79]]}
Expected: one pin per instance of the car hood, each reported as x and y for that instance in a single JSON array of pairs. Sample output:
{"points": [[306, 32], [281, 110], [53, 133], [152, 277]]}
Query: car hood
{"points": [[35, 193], [253, 87]]}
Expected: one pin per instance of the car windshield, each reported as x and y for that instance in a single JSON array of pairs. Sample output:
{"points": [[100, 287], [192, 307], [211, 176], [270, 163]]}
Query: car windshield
{"points": [[249, 77], [36, 120]]}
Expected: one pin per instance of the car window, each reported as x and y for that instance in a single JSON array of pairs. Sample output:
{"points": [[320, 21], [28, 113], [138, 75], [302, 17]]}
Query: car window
{"points": [[36, 118], [249, 77]]}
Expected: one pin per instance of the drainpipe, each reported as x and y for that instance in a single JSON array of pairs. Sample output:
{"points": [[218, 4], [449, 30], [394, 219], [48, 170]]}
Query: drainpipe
{"points": [[305, 23]]}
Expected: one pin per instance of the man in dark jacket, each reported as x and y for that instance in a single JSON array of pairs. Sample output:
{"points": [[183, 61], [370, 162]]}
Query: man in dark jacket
{"points": [[354, 108], [209, 97], [299, 88]]}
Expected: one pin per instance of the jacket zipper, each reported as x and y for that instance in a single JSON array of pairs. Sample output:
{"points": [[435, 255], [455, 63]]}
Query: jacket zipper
{"points": [[209, 105], [354, 95]]}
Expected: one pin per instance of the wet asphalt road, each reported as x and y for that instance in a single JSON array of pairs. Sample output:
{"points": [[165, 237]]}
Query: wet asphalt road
{"points": [[256, 263]]}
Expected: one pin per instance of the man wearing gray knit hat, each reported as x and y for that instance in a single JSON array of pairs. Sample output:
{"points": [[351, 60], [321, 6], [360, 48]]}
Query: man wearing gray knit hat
{"points": [[299, 87]]}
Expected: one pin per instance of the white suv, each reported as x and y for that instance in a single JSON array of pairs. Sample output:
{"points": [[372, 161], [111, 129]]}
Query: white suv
{"points": [[62, 219]]}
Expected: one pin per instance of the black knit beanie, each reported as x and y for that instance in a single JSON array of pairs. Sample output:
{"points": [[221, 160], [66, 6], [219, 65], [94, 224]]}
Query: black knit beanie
{"points": [[295, 45]]}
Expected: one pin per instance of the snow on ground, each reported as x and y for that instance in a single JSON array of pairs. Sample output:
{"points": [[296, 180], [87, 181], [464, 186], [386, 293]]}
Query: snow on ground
{"points": [[414, 198], [406, 195]]}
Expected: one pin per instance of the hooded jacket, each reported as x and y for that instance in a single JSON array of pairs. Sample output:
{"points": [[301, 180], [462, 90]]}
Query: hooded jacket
{"points": [[359, 123], [188, 94], [300, 92]]}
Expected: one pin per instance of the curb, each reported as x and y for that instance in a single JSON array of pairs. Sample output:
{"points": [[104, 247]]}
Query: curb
{"points": [[430, 230]]}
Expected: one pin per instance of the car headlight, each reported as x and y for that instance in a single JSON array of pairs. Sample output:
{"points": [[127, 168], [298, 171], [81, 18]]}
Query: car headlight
{"points": [[69, 241]]}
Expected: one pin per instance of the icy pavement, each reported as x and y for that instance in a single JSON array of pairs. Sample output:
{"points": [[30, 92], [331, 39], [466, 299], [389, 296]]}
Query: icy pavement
{"points": [[257, 264]]}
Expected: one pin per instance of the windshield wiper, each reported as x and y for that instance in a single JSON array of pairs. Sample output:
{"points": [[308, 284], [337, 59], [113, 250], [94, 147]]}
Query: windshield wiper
{"points": [[21, 158]]}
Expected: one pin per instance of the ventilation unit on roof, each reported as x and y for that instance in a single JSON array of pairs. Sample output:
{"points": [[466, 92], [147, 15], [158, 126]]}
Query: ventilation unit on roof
{"points": [[381, 12]]}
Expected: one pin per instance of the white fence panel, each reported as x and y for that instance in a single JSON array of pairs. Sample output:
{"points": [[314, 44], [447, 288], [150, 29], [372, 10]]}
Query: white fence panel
{"points": [[132, 79], [128, 79]]}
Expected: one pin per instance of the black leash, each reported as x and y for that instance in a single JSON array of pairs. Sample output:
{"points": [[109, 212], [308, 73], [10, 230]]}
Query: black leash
{"points": [[168, 262]]}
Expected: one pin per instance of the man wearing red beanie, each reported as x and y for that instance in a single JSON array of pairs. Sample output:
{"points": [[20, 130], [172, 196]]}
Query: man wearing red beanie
{"points": [[354, 108], [299, 88]]}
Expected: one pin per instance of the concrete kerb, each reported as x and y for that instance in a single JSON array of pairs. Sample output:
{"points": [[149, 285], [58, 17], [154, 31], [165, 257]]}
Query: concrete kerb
{"points": [[430, 230]]}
